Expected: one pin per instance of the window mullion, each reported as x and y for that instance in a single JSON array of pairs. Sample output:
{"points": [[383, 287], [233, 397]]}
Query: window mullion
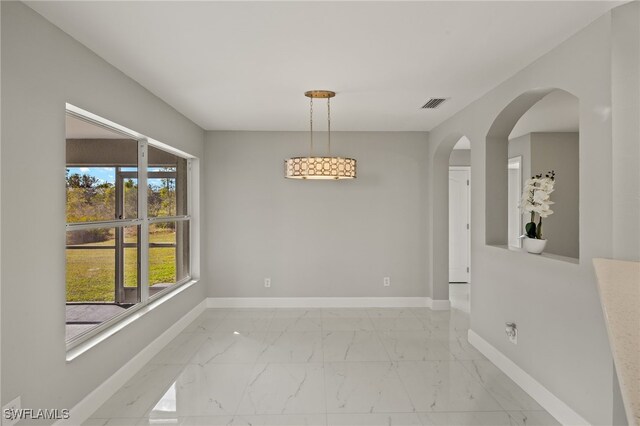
{"points": [[76, 226], [143, 265], [159, 219], [119, 296]]}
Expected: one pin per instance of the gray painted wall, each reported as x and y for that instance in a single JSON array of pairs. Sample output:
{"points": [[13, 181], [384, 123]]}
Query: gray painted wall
{"points": [[555, 304], [460, 157], [42, 68], [560, 152], [521, 146], [315, 238], [625, 110]]}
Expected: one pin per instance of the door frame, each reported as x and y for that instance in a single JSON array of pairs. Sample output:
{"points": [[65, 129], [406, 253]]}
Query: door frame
{"points": [[468, 170], [514, 159]]}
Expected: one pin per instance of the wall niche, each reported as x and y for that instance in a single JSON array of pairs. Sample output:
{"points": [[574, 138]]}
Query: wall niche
{"points": [[535, 133]]}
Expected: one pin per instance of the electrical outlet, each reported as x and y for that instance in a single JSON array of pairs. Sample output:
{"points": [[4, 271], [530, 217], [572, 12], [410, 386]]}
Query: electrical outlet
{"points": [[512, 332], [386, 281], [9, 412], [267, 282]]}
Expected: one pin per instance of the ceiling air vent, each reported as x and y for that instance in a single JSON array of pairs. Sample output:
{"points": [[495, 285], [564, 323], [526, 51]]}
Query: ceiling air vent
{"points": [[433, 103]]}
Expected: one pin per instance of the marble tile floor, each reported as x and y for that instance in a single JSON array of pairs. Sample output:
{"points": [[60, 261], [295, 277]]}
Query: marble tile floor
{"points": [[322, 367]]}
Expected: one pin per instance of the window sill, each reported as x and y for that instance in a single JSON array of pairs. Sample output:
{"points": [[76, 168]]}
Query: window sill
{"points": [[551, 256], [85, 345]]}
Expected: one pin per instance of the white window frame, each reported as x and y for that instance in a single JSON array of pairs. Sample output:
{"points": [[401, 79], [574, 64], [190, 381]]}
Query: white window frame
{"points": [[88, 339]]}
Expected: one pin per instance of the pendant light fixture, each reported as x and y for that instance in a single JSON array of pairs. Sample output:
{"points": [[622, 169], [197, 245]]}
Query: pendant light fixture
{"points": [[313, 167]]}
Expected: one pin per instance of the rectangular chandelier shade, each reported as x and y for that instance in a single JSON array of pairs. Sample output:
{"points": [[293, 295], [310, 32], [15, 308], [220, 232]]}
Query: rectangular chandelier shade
{"points": [[320, 168]]}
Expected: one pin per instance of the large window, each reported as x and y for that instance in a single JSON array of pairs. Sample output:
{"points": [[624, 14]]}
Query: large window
{"points": [[128, 224]]}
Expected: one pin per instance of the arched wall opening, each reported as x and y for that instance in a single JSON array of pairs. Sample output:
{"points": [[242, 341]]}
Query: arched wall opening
{"points": [[460, 225], [439, 226], [538, 130]]}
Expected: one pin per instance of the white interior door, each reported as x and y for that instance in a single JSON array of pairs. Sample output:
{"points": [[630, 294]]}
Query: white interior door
{"points": [[459, 224]]}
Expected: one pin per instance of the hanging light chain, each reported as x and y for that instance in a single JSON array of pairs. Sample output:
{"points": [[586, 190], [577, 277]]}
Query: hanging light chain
{"points": [[329, 126], [311, 126]]}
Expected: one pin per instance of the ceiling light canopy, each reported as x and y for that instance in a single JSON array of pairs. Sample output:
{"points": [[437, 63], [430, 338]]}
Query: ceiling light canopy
{"points": [[314, 167]]}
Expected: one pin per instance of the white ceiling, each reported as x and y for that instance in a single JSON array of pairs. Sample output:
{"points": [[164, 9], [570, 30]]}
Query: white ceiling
{"points": [[245, 65]]}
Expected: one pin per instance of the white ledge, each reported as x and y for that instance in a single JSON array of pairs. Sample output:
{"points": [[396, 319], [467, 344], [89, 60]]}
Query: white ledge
{"points": [[619, 288], [551, 256]]}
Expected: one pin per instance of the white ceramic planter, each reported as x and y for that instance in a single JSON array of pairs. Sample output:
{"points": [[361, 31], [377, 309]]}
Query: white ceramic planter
{"points": [[533, 245]]}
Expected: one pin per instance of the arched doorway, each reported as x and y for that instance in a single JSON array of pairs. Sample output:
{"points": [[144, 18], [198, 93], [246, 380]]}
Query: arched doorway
{"points": [[439, 228], [460, 225]]}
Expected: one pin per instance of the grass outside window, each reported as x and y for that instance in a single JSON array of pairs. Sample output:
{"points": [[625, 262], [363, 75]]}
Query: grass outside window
{"points": [[91, 272]]}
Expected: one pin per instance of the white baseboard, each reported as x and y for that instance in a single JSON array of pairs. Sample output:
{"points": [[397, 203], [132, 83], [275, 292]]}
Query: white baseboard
{"points": [[325, 302], [557, 408], [89, 404], [439, 305]]}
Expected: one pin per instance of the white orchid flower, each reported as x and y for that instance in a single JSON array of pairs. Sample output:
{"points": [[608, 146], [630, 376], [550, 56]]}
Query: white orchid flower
{"points": [[546, 185], [540, 196], [536, 196], [546, 213]]}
